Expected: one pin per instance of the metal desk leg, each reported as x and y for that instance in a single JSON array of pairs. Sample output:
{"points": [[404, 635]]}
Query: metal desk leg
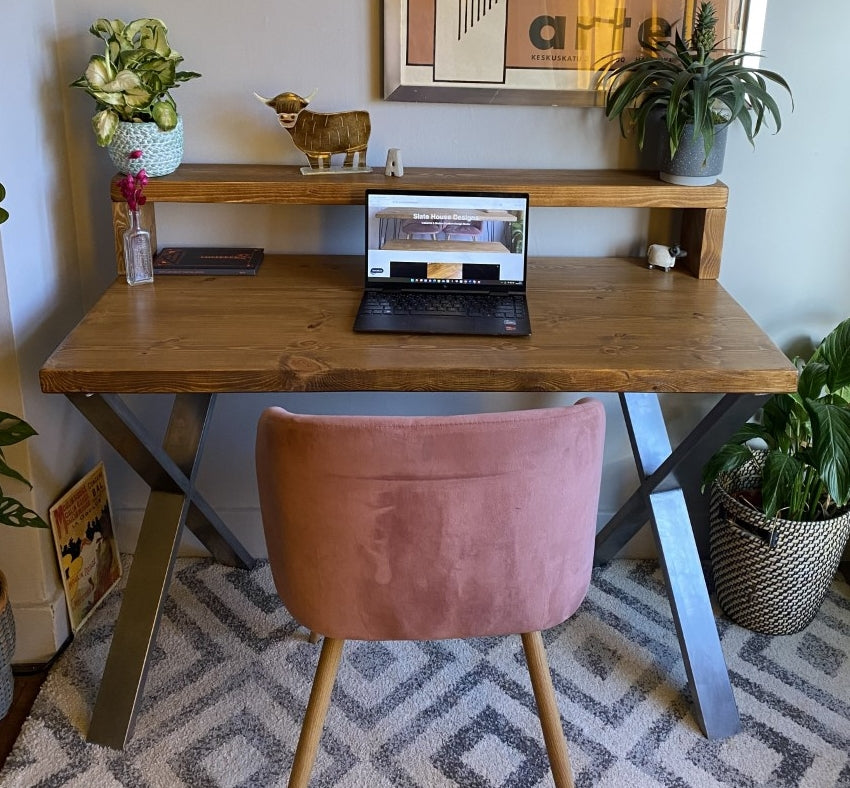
{"points": [[170, 471], [661, 498]]}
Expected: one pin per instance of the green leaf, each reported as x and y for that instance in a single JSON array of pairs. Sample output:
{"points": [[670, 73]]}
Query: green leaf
{"points": [[124, 80], [780, 475], [165, 115], [7, 470], [835, 352], [104, 124], [728, 458], [13, 429], [14, 513], [831, 444], [813, 378], [776, 412], [99, 72]]}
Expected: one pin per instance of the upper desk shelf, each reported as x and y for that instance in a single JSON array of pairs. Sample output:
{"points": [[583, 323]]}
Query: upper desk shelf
{"points": [[703, 208]]}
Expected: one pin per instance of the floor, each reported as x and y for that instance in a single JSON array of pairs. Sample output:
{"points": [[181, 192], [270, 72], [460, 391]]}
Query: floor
{"points": [[27, 686]]}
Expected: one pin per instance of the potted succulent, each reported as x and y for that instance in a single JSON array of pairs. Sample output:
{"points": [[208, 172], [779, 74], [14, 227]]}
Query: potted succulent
{"points": [[12, 512], [780, 498], [695, 91], [131, 83]]}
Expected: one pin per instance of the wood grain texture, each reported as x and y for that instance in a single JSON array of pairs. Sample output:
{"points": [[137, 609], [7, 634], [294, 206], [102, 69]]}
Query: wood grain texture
{"points": [[702, 238], [608, 324], [285, 184], [281, 184]]}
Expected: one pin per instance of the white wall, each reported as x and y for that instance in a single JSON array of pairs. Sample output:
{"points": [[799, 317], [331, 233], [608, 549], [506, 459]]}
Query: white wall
{"points": [[786, 247], [40, 300]]}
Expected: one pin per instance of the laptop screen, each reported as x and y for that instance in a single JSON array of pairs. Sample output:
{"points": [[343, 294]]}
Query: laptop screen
{"points": [[446, 240]]}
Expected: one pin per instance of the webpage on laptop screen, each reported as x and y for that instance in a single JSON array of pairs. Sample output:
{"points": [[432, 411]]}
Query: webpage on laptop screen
{"points": [[446, 239]]}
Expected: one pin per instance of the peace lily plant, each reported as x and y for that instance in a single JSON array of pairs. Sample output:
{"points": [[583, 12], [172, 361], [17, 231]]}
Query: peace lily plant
{"points": [[131, 81], [692, 85], [805, 437]]}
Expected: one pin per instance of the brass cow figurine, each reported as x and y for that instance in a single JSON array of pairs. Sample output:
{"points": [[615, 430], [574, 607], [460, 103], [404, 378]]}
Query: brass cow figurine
{"points": [[319, 135]]}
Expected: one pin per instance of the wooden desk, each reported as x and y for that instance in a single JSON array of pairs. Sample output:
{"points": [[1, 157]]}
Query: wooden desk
{"points": [[605, 325]]}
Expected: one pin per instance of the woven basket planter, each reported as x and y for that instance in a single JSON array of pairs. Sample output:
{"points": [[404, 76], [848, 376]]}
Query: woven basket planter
{"points": [[162, 151], [770, 575], [7, 649]]}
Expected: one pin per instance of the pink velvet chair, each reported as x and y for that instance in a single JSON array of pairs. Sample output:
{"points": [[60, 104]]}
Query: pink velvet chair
{"points": [[419, 528]]}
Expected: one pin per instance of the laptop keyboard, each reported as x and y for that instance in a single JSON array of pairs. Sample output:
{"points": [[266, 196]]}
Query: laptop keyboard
{"points": [[470, 304]]}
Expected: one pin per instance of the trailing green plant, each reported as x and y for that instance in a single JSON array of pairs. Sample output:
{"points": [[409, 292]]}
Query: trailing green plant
{"points": [[692, 83], [806, 437], [4, 214], [132, 79], [13, 512]]}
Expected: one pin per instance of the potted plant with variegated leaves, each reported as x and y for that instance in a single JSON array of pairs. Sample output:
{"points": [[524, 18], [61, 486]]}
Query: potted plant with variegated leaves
{"points": [[131, 83]]}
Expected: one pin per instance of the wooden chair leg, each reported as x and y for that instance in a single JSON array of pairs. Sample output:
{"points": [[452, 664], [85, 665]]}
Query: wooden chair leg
{"points": [[547, 709], [317, 708]]}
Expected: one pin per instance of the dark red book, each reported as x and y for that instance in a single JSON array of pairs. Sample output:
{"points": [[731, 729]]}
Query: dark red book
{"points": [[207, 260]]}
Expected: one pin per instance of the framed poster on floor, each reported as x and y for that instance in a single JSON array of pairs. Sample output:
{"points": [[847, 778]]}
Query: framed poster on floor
{"points": [[85, 545]]}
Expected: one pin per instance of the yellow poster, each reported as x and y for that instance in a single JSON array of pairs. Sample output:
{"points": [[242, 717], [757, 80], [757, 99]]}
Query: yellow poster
{"points": [[85, 545]]}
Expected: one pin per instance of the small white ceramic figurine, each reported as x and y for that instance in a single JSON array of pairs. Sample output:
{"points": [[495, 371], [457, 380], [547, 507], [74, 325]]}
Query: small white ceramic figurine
{"points": [[660, 256]]}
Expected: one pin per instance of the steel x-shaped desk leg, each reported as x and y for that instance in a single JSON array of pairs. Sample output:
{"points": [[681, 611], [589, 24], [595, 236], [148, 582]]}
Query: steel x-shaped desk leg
{"points": [[667, 477], [170, 472]]}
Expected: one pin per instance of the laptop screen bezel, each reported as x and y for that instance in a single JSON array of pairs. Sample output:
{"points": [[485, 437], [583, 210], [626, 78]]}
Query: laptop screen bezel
{"points": [[380, 284]]}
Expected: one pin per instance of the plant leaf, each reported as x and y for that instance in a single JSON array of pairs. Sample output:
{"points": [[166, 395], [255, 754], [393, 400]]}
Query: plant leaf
{"points": [[835, 352], [99, 72], [779, 477], [831, 444], [14, 513], [13, 429], [813, 378], [7, 470], [729, 457], [104, 124], [165, 115]]}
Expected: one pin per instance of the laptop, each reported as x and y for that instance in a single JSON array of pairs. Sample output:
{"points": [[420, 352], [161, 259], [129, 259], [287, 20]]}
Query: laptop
{"points": [[445, 263]]}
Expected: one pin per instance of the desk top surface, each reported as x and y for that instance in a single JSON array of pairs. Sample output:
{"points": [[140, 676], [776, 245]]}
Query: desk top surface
{"points": [[607, 324]]}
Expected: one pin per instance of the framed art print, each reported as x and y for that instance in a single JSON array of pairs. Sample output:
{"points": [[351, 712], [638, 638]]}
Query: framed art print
{"points": [[535, 51]]}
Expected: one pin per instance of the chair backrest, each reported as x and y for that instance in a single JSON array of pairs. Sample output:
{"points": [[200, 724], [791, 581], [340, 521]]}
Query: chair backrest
{"points": [[385, 528]]}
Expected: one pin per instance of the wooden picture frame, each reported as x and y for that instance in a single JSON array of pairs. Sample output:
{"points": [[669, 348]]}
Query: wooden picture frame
{"points": [[543, 52]]}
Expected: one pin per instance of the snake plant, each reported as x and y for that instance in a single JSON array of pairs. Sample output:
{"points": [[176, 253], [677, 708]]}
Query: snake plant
{"points": [[131, 80], [692, 83], [806, 434]]}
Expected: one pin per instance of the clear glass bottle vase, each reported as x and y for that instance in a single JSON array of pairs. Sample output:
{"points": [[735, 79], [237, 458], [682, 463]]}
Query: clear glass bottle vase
{"points": [[138, 257]]}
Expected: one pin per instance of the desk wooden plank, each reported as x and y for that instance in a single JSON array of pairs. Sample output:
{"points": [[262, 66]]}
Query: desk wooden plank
{"points": [[599, 325], [268, 184]]}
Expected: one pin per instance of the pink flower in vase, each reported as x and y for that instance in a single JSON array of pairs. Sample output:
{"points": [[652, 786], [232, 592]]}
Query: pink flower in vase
{"points": [[132, 186]]}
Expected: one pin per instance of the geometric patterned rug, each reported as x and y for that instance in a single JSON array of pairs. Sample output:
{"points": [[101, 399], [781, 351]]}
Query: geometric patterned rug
{"points": [[231, 673]]}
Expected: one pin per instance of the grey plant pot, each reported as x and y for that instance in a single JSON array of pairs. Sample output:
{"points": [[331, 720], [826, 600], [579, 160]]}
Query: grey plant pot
{"points": [[162, 151], [7, 649], [689, 167]]}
